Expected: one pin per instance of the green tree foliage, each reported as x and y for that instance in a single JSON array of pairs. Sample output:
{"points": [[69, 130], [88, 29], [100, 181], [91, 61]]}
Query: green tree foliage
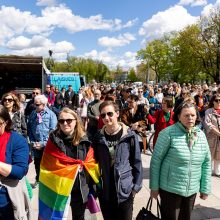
{"points": [[91, 69], [132, 75], [188, 55], [156, 55]]}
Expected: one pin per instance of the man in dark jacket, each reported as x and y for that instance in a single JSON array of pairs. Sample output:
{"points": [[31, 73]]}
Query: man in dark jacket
{"points": [[30, 105], [71, 98]]}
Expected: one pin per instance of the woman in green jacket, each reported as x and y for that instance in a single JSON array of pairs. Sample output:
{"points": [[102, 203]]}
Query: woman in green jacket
{"points": [[180, 165]]}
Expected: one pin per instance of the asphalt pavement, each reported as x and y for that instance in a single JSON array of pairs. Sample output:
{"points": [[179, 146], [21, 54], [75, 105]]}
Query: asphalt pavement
{"points": [[208, 209]]}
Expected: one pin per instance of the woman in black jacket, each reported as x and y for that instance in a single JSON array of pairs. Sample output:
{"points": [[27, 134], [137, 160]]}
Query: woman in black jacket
{"points": [[12, 104], [70, 139]]}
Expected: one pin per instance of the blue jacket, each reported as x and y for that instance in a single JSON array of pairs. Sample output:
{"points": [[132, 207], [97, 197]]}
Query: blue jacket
{"points": [[39, 132], [127, 167], [17, 154], [177, 168]]}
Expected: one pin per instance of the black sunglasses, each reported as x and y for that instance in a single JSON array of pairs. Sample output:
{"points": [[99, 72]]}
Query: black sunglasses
{"points": [[217, 100], [68, 121], [9, 100], [37, 105], [35, 93], [110, 114]]}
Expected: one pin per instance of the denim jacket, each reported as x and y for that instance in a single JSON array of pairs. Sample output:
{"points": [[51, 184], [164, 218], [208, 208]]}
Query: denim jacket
{"points": [[39, 131]]}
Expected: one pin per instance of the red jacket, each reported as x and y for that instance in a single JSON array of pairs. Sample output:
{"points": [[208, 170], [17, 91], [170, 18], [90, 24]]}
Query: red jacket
{"points": [[159, 120]]}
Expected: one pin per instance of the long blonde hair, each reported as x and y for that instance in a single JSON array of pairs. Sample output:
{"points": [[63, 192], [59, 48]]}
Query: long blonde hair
{"points": [[78, 130]]}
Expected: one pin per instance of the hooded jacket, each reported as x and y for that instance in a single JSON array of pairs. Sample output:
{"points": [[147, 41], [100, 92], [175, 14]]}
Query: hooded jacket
{"points": [[127, 166]]}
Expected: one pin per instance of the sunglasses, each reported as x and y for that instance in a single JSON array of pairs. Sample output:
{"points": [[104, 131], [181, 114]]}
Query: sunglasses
{"points": [[1, 123], [37, 105], [217, 100], [9, 100], [110, 114], [35, 93], [68, 121], [140, 91]]}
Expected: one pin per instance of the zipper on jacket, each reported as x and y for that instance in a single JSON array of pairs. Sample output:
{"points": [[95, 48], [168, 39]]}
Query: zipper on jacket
{"points": [[118, 185], [77, 153], [189, 172]]}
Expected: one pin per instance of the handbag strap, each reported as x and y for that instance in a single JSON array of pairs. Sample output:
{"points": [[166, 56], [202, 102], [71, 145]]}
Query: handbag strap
{"points": [[149, 204], [158, 209]]}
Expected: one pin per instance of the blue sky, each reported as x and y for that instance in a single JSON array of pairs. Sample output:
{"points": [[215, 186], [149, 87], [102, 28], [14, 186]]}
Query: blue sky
{"points": [[108, 30]]}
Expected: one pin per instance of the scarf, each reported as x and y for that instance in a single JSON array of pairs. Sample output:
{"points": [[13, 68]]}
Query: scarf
{"points": [[57, 176], [39, 117], [4, 138], [192, 137]]}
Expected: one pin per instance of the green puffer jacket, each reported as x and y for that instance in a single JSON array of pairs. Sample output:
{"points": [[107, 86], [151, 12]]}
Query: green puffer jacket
{"points": [[178, 169]]}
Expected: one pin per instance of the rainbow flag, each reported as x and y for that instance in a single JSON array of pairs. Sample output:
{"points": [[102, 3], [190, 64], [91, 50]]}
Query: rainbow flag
{"points": [[57, 176]]}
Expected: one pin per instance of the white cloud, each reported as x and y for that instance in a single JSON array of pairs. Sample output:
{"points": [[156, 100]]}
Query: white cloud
{"points": [[121, 40], [24, 22], [119, 25], [127, 60], [46, 2], [39, 46], [172, 19], [209, 8], [193, 2]]}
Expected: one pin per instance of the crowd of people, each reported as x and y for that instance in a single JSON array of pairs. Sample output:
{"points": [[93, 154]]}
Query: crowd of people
{"points": [[104, 128]]}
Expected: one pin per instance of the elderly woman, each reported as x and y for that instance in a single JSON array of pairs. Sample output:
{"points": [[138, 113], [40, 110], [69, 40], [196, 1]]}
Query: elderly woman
{"points": [[212, 130], [14, 153], [181, 165], [67, 146], [118, 152], [12, 104]]}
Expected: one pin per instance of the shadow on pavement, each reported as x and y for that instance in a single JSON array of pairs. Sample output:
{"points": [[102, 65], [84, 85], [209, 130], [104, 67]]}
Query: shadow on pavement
{"points": [[203, 213], [146, 173]]}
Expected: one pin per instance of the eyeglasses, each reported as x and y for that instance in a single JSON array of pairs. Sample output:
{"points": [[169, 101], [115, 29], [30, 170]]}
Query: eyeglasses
{"points": [[68, 121], [1, 123], [110, 114], [8, 100], [217, 100], [130, 102], [37, 105], [35, 93]]}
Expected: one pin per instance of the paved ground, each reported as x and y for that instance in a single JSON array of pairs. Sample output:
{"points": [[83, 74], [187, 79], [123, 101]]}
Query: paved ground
{"points": [[208, 209]]}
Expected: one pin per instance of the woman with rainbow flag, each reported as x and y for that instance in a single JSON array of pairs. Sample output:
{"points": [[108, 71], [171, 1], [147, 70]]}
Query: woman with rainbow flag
{"points": [[117, 151], [67, 169]]}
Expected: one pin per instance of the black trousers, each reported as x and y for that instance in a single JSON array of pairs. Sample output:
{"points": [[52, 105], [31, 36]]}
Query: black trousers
{"points": [[111, 210], [37, 161], [176, 207], [7, 212], [77, 206]]}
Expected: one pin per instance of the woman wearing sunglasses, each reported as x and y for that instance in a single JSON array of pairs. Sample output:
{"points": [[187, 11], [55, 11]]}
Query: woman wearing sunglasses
{"points": [[118, 152], [12, 104], [212, 130], [67, 142]]}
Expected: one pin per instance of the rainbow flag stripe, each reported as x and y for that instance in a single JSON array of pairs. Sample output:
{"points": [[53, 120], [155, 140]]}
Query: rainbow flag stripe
{"points": [[57, 176]]}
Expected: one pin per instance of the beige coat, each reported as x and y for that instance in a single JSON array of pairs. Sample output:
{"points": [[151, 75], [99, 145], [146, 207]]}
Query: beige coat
{"points": [[18, 194], [212, 120]]}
